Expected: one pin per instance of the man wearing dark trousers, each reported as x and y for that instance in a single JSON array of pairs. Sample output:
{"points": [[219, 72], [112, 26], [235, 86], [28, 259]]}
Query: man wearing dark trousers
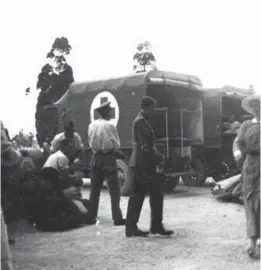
{"points": [[144, 160], [104, 142]]}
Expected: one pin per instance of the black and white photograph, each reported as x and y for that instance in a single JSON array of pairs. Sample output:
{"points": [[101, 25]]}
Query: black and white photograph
{"points": [[130, 135]]}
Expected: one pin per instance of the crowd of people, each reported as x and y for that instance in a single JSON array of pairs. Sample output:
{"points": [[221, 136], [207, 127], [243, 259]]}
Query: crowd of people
{"points": [[57, 202]]}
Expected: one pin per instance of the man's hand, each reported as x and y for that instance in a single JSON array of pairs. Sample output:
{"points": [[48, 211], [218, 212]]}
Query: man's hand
{"points": [[72, 193], [159, 158], [237, 155], [80, 206], [77, 161]]}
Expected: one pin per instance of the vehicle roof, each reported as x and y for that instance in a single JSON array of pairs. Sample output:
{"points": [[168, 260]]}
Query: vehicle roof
{"points": [[223, 93], [132, 80]]}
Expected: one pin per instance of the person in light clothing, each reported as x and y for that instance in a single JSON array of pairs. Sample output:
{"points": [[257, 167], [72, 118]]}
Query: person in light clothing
{"points": [[246, 151], [70, 134], [104, 142], [56, 168]]}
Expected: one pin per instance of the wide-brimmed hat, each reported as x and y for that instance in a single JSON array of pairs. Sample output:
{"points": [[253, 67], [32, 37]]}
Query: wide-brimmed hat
{"points": [[246, 103], [104, 105]]}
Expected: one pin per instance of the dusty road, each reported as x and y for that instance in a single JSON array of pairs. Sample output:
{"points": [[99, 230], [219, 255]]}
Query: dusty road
{"points": [[208, 235]]}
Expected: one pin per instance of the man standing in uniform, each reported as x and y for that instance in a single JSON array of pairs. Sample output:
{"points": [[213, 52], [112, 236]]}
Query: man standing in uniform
{"points": [[104, 142], [144, 160]]}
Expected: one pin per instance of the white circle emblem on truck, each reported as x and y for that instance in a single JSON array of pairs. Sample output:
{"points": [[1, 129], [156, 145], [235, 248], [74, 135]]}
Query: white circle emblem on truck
{"points": [[101, 98]]}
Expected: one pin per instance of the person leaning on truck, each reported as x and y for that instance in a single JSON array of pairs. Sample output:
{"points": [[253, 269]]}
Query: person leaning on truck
{"points": [[144, 160], [104, 142]]}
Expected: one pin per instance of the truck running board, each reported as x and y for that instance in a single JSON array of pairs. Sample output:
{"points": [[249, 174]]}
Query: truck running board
{"points": [[181, 174]]}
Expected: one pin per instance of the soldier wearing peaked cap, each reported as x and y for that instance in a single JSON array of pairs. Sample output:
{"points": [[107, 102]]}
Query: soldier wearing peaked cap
{"points": [[144, 161]]}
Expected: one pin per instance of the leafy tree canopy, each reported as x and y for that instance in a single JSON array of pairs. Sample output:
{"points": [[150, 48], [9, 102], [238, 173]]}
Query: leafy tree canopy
{"points": [[144, 59], [53, 81]]}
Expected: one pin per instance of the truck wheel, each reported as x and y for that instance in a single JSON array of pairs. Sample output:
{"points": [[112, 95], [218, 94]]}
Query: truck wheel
{"points": [[223, 172], [170, 183], [124, 177], [195, 165]]}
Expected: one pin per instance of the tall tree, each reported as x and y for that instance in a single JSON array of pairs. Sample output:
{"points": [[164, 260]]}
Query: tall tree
{"points": [[53, 81], [27, 91], [144, 58]]}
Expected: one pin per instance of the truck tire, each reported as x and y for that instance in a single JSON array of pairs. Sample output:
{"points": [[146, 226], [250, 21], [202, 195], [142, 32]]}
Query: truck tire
{"points": [[170, 183], [195, 165], [124, 177], [224, 171]]}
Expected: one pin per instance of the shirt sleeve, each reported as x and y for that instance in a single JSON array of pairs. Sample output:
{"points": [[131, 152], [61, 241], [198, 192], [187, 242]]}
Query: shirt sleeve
{"points": [[91, 137], [236, 148], [115, 137], [239, 142], [94, 138], [55, 144], [62, 163], [78, 141]]}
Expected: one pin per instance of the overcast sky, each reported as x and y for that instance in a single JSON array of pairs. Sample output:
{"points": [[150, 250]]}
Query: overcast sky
{"points": [[215, 40]]}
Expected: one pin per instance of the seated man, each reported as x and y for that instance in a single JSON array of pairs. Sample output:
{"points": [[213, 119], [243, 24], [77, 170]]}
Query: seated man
{"points": [[69, 134], [27, 161], [65, 207]]}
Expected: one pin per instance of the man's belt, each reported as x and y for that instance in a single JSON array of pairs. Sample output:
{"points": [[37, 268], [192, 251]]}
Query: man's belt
{"points": [[104, 152], [254, 153]]}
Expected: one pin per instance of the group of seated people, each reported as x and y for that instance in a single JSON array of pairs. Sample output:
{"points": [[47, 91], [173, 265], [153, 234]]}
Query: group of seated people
{"points": [[59, 197], [50, 197]]}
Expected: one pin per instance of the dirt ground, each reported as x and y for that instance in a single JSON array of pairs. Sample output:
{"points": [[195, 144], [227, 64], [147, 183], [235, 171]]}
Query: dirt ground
{"points": [[208, 235]]}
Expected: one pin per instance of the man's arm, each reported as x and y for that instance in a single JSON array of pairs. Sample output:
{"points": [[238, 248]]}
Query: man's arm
{"points": [[55, 144], [115, 137], [144, 135], [92, 139], [78, 141], [238, 145], [63, 168], [79, 147]]}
